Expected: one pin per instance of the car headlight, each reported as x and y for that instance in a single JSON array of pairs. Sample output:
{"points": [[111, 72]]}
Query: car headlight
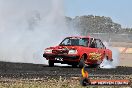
{"points": [[72, 52], [48, 51]]}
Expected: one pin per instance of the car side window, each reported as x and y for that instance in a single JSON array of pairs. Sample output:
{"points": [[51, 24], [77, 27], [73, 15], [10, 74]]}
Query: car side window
{"points": [[99, 44], [93, 43], [102, 45]]}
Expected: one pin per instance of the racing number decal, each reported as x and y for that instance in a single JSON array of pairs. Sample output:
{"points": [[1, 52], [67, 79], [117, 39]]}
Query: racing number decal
{"points": [[94, 56]]}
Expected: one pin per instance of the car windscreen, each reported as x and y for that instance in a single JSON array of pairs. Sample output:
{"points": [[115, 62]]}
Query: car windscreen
{"points": [[70, 41]]}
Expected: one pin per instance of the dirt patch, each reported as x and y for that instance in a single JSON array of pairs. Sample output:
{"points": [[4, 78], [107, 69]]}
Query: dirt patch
{"points": [[126, 60]]}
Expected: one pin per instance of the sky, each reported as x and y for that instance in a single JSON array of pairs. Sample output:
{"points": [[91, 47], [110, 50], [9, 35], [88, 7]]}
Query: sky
{"points": [[119, 10]]}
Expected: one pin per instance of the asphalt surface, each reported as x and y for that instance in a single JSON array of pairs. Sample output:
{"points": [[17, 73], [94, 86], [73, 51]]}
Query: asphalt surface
{"points": [[24, 70]]}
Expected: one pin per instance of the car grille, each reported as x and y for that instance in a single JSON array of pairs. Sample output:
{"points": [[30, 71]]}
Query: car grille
{"points": [[60, 51]]}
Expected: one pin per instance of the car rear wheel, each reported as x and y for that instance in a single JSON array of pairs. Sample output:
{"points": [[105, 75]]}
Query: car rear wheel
{"points": [[106, 61], [82, 62], [51, 63]]}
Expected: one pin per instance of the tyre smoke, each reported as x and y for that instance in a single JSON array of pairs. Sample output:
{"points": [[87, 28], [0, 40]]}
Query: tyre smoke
{"points": [[27, 27], [115, 56]]}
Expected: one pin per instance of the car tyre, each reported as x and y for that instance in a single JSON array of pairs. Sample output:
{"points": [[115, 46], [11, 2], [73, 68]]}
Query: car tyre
{"points": [[74, 65], [81, 63], [51, 63]]}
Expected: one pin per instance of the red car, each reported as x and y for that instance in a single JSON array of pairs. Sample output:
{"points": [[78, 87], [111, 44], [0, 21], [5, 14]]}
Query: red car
{"points": [[78, 51]]}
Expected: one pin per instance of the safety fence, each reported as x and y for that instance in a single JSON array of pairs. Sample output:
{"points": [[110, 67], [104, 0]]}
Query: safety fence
{"points": [[113, 37], [125, 50]]}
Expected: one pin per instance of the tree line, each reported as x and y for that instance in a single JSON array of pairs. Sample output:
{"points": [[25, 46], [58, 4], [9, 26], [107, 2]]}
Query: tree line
{"points": [[95, 24]]}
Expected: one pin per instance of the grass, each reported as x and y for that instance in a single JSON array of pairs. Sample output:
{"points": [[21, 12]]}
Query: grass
{"points": [[48, 83], [51, 83]]}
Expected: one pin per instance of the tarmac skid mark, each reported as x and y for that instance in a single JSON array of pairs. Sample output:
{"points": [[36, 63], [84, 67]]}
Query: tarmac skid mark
{"points": [[27, 70]]}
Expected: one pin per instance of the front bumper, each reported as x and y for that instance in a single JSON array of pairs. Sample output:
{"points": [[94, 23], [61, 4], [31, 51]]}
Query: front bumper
{"points": [[65, 57]]}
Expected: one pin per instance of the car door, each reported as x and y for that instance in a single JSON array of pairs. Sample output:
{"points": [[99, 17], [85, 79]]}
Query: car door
{"points": [[93, 50], [101, 49]]}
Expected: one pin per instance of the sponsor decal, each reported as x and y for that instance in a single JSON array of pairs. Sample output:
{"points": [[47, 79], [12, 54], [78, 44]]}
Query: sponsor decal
{"points": [[110, 82], [85, 81], [94, 56]]}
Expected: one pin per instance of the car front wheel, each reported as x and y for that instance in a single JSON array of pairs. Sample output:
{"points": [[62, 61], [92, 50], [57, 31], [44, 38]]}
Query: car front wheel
{"points": [[82, 62], [51, 63]]}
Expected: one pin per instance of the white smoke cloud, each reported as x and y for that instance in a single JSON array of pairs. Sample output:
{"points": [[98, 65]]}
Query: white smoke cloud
{"points": [[115, 56], [29, 26]]}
